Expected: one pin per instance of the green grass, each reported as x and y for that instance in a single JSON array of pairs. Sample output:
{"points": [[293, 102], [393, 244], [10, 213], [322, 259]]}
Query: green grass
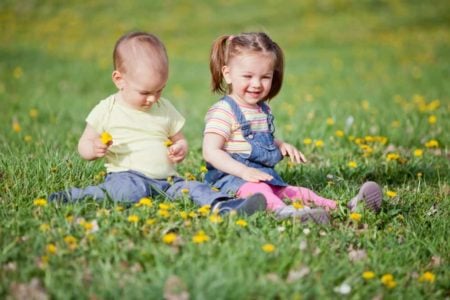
{"points": [[384, 64]]}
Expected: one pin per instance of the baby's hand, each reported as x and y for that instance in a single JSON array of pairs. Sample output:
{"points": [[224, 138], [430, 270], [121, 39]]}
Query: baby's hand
{"points": [[177, 153], [100, 148], [255, 175], [289, 150]]}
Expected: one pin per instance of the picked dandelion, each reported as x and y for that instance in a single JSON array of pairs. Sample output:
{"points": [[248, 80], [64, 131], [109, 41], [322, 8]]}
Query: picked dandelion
{"points": [[168, 143], [106, 138]]}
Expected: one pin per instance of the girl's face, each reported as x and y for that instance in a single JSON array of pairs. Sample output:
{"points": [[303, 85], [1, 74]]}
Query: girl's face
{"points": [[142, 88], [250, 76]]}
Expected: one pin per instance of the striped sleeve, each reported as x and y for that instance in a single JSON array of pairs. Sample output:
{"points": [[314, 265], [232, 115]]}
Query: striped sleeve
{"points": [[220, 119]]}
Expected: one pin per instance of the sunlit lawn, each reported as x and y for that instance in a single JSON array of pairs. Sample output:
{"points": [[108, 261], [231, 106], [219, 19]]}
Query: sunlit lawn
{"points": [[365, 97]]}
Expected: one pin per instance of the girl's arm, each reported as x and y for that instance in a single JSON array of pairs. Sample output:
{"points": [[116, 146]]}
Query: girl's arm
{"points": [[179, 148], [289, 150], [214, 154], [90, 145]]}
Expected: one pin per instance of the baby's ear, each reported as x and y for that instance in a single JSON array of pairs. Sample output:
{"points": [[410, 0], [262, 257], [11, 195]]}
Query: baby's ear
{"points": [[117, 78]]}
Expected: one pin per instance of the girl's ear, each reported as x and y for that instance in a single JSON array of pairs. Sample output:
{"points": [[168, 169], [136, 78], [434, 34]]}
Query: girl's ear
{"points": [[117, 78], [226, 74]]}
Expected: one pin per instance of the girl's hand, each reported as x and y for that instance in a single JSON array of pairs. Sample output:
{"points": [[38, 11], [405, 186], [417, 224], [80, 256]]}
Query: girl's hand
{"points": [[289, 150], [255, 175], [177, 152]]}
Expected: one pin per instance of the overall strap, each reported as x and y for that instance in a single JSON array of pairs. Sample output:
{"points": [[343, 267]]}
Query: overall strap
{"points": [[245, 125], [270, 117]]}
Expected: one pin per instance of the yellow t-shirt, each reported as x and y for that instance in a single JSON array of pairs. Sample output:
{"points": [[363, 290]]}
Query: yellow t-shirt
{"points": [[138, 136]]}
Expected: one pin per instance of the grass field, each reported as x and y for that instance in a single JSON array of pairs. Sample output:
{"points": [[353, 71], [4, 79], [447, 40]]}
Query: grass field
{"points": [[365, 97]]}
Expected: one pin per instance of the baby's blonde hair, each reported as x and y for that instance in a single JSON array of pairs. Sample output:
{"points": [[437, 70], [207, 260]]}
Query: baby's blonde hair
{"points": [[136, 47], [226, 47]]}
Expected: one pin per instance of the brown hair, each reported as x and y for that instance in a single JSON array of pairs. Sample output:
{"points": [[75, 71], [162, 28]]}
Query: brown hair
{"points": [[133, 44], [228, 46]]}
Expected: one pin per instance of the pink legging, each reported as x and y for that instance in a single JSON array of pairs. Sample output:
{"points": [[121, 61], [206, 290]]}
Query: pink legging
{"points": [[274, 194]]}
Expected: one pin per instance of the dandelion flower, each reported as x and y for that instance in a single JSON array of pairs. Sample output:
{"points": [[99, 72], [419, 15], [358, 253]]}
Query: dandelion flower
{"points": [[319, 144], [40, 202], [16, 126], [388, 281], [51, 248], [427, 277], [150, 221], [432, 144], [204, 210], [367, 275], [165, 206], [355, 217], [432, 119], [330, 121], [307, 141], [133, 219], [44, 227], [169, 238], [392, 156], [164, 213], [203, 169], [145, 201], [241, 223], [106, 138], [168, 143], [33, 113], [215, 219], [352, 164], [297, 205], [71, 242], [418, 153], [28, 138], [268, 248], [391, 194], [200, 237], [185, 191], [339, 133]]}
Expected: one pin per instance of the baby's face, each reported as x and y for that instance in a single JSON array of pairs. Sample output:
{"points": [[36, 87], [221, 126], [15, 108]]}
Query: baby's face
{"points": [[143, 87]]}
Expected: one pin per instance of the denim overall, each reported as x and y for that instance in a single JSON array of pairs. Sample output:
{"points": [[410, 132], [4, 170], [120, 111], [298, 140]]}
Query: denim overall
{"points": [[263, 156]]}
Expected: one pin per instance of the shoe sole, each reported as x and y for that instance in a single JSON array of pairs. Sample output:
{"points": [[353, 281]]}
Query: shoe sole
{"points": [[253, 204], [317, 215], [372, 195]]}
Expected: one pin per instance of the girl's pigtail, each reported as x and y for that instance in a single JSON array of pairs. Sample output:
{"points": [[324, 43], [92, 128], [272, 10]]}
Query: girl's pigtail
{"points": [[217, 61]]}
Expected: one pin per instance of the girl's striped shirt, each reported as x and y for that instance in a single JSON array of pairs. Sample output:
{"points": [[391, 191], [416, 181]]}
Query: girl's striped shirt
{"points": [[221, 120]]}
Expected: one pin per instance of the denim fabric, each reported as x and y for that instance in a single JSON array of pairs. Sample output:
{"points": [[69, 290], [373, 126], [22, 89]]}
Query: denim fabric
{"points": [[131, 186], [263, 156]]}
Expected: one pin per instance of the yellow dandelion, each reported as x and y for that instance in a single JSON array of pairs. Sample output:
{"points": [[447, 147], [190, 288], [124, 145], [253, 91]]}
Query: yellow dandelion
{"points": [[241, 223], [355, 217], [427, 277], [170, 180], [184, 215], [119, 208], [352, 164], [204, 210], [200, 237], [392, 156], [163, 213], [145, 201], [185, 191], [297, 205], [432, 119], [365, 104], [432, 144], [388, 281], [28, 138], [214, 189], [17, 72], [133, 219], [367, 275], [88, 226], [268, 248], [189, 176], [69, 218], [192, 215], [391, 194], [168, 143], [16, 126], [165, 206], [71, 242], [44, 227], [40, 202], [307, 141], [33, 113], [105, 137], [339, 133], [51, 248], [330, 121], [319, 143], [169, 238], [215, 219], [150, 221], [418, 153], [203, 169]]}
